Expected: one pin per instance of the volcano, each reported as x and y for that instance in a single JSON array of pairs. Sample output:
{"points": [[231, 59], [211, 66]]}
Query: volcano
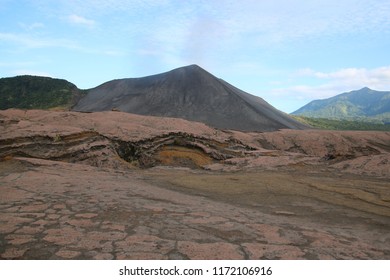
{"points": [[189, 93]]}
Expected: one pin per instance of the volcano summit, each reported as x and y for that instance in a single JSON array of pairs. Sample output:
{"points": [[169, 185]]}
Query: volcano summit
{"points": [[190, 93]]}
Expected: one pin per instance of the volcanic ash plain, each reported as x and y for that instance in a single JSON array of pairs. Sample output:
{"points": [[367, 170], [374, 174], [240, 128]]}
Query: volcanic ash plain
{"points": [[112, 185]]}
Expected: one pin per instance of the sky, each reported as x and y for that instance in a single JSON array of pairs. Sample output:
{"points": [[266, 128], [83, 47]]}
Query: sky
{"points": [[288, 52]]}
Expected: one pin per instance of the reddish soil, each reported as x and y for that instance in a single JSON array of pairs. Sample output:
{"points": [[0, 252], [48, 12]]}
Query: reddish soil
{"points": [[119, 186]]}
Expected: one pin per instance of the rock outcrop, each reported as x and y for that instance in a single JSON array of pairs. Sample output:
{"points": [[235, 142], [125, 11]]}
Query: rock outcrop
{"points": [[120, 140]]}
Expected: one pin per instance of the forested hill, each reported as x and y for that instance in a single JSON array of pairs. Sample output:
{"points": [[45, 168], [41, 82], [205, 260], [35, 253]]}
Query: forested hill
{"points": [[34, 92], [363, 104]]}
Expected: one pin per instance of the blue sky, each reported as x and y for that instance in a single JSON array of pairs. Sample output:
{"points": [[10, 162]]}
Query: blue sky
{"points": [[287, 52]]}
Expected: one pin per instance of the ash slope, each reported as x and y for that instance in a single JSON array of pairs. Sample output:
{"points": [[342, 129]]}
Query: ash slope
{"points": [[190, 93]]}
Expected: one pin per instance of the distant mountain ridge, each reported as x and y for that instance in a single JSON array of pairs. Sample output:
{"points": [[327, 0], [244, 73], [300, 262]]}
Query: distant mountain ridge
{"points": [[189, 93], [34, 92], [358, 104]]}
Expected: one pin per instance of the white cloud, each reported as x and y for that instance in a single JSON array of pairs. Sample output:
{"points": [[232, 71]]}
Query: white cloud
{"points": [[31, 42], [112, 52], [17, 64], [76, 19], [31, 26], [205, 31], [264, 22], [26, 41], [377, 78], [321, 85]]}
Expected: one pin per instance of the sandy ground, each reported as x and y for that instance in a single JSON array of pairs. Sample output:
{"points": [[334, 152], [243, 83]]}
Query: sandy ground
{"points": [[71, 192]]}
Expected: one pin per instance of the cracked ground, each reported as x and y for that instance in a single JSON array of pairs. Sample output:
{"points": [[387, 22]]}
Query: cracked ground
{"points": [[58, 210]]}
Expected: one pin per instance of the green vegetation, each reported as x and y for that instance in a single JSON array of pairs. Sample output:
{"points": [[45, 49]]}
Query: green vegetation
{"points": [[364, 105], [363, 109], [32, 92], [331, 124]]}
